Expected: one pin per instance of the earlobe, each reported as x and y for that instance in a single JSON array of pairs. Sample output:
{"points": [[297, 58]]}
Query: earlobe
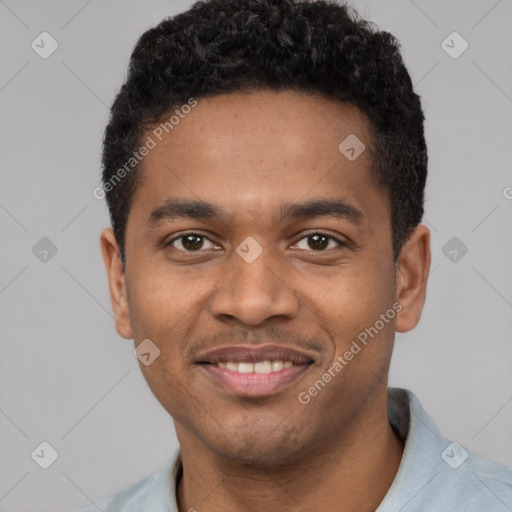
{"points": [[411, 279], [116, 282]]}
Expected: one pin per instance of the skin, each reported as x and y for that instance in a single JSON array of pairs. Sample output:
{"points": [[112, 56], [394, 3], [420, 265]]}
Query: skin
{"points": [[248, 154]]}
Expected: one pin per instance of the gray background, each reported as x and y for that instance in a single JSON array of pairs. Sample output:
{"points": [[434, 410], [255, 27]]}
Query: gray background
{"points": [[67, 378]]}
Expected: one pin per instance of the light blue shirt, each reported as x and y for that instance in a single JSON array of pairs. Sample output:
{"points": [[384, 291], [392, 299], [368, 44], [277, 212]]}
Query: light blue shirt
{"points": [[435, 474]]}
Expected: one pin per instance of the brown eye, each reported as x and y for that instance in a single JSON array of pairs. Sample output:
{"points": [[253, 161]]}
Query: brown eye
{"points": [[190, 242], [320, 241]]}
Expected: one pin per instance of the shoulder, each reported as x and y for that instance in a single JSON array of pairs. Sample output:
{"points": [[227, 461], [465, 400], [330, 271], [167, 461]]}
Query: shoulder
{"points": [[155, 492], [437, 473], [128, 499], [482, 480]]}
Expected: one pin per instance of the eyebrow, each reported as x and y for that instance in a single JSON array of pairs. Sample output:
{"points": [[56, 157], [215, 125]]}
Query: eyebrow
{"points": [[174, 209]]}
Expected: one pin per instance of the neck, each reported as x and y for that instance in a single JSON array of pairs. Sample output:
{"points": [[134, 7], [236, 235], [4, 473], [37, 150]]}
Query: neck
{"points": [[350, 473]]}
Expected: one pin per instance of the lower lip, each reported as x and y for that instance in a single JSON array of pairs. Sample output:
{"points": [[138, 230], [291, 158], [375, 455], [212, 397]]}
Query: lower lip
{"points": [[254, 384]]}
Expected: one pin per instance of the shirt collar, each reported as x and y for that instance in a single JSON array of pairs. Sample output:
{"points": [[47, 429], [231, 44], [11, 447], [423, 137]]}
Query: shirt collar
{"points": [[423, 444]]}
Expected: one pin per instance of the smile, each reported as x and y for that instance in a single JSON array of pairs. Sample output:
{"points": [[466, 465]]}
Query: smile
{"points": [[260, 370], [259, 379], [261, 367]]}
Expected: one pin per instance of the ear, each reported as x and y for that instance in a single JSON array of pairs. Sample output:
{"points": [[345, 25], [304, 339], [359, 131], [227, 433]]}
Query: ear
{"points": [[412, 270], [116, 282]]}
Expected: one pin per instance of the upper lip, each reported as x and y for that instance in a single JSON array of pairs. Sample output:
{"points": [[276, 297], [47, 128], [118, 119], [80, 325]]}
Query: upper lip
{"points": [[253, 354]]}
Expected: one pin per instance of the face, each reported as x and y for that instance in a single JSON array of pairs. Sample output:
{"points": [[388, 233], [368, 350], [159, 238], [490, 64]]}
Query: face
{"points": [[285, 246]]}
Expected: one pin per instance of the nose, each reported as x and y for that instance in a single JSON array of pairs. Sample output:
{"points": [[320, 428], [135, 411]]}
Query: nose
{"points": [[254, 292]]}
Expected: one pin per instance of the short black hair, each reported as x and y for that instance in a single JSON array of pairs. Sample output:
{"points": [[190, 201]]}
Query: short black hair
{"points": [[318, 47]]}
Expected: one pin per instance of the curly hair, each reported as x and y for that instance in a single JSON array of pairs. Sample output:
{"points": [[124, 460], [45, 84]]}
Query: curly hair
{"points": [[318, 47]]}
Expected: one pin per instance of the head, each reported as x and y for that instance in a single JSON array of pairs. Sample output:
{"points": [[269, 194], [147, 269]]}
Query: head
{"points": [[264, 167]]}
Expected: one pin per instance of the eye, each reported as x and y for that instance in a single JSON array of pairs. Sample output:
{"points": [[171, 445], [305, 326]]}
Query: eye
{"points": [[193, 242], [319, 241], [190, 242]]}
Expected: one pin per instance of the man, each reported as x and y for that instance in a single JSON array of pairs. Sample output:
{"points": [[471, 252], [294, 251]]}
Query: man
{"points": [[264, 167]]}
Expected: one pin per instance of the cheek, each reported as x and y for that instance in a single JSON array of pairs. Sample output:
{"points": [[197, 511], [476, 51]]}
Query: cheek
{"points": [[348, 308], [351, 299], [169, 386], [160, 301], [164, 308]]}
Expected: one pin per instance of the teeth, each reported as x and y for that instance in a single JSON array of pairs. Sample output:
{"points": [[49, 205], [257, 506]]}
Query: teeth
{"points": [[245, 368], [259, 367], [277, 366], [263, 367]]}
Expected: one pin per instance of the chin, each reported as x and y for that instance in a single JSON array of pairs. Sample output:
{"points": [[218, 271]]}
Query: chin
{"points": [[258, 446]]}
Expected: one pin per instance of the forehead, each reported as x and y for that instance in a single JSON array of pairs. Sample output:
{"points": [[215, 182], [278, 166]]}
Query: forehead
{"points": [[255, 151]]}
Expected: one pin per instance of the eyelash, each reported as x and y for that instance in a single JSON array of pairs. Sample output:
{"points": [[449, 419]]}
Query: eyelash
{"points": [[201, 235]]}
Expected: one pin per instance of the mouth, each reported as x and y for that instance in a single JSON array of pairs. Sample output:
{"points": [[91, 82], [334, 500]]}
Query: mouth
{"points": [[254, 371]]}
